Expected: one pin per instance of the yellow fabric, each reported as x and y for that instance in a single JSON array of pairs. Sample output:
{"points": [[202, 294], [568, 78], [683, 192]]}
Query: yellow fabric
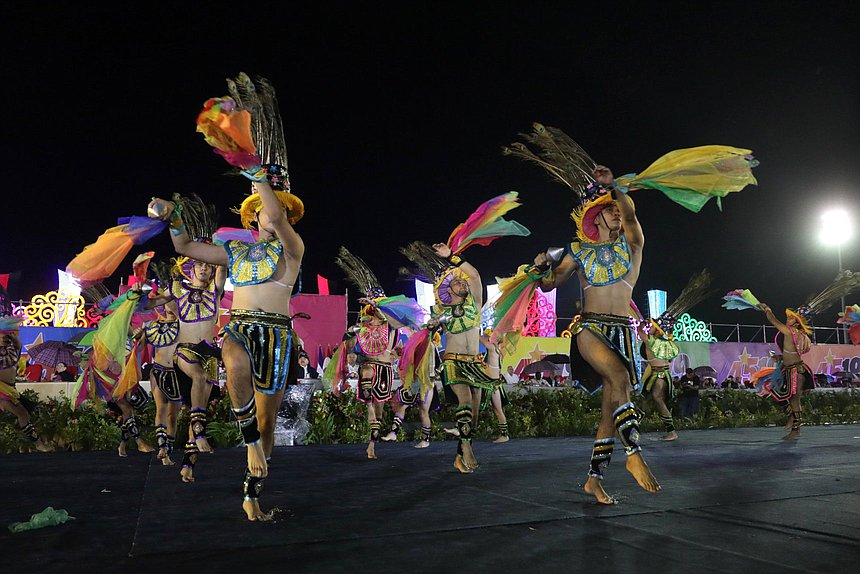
{"points": [[9, 391], [704, 169]]}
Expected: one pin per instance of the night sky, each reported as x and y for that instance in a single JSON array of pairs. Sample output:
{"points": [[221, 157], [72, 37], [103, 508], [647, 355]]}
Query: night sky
{"points": [[395, 113]]}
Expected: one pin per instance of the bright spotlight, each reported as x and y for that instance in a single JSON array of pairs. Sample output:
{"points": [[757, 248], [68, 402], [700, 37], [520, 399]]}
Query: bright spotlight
{"points": [[836, 227]]}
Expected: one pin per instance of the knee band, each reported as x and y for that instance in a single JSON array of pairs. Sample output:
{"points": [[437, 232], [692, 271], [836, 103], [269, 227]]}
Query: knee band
{"points": [[668, 423], [191, 452], [463, 416], [600, 456], [374, 430], [29, 431], [198, 422], [247, 418], [252, 486], [627, 425]]}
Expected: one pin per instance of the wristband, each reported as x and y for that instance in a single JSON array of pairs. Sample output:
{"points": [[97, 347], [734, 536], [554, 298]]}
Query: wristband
{"points": [[256, 173], [455, 260]]}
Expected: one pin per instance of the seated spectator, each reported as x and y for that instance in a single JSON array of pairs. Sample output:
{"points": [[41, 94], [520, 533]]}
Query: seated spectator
{"points": [[62, 373]]}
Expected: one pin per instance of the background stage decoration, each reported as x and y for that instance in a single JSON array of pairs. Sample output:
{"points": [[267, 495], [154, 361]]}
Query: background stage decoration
{"points": [[689, 329]]}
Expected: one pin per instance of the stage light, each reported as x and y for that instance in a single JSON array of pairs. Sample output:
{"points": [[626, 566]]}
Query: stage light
{"points": [[837, 228]]}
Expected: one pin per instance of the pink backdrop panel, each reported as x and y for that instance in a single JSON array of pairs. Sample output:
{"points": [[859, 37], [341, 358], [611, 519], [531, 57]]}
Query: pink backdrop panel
{"points": [[326, 326]]}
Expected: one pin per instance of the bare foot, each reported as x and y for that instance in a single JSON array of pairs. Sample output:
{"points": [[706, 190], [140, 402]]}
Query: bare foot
{"points": [[252, 509], [451, 431], [203, 445], [257, 464], [460, 465], [187, 474], [371, 450], [793, 435], [422, 444], [640, 471], [502, 439], [143, 446], [594, 487], [121, 449], [389, 437], [469, 456], [42, 447], [670, 436], [166, 461]]}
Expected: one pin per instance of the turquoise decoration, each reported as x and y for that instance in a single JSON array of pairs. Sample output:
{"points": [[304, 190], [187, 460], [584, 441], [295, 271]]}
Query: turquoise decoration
{"points": [[689, 329]]}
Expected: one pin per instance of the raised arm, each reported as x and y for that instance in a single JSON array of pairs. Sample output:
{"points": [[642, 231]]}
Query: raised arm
{"points": [[632, 229], [277, 215], [780, 326], [182, 242]]}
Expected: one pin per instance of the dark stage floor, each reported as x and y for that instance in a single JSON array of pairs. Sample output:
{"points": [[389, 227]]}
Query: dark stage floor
{"points": [[735, 500]]}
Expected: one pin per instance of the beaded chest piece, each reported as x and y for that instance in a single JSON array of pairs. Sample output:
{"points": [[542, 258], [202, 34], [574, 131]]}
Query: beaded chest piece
{"points": [[253, 263], [194, 304], [602, 263], [161, 334], [373, 339], [464, 316]]}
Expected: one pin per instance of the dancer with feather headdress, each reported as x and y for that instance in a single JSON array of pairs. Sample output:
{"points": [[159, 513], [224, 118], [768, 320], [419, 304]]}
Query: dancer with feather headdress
{"points": [[787, 380], [379, 322], [258, 350], [459, 295], [660, 348]]}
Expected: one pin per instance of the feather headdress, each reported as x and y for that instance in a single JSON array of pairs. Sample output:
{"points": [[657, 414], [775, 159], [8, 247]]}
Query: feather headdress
{"points": [[698, 289], [845, 282], [558, 154], [358, 273]]}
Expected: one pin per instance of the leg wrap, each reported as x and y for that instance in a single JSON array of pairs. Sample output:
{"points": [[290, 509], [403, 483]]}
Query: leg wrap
{"points": [[464, 422], [797, 420], [374, 430], [600, 456], [668, 423], [503, 429], [161, 437], [398, 422], [198, 422], [191, 452], [170, 440], [425, 433], [627, 425], [124, 434], [252, 486], [30, 432], [131, 426], [247, 418]]}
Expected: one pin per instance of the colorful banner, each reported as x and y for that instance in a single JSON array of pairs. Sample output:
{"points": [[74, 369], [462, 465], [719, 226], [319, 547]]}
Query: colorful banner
{"points": [[531, 349]]}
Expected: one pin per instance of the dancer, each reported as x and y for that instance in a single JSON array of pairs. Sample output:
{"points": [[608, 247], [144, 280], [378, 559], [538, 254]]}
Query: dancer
{"points": [[791, 376], [660, 348], [607, 257], [258, 344], [498, 399], [10, 401], [196, 287], [162, 334], [379, 322]]}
